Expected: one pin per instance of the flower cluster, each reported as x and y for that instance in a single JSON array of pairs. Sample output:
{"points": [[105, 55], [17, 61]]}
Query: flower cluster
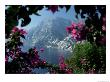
{"points": [[76, 30], [63, 66], [18, 61], [21, 31], [11, 54], [35, 59]]}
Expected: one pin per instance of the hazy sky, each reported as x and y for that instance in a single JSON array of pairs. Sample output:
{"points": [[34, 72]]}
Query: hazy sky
{"points": [[35, 20]]}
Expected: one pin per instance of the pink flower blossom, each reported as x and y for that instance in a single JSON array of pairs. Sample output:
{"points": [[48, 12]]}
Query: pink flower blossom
{"points": [[61, 59], [76, 30], [53, 8], [69, 29], [35, 52], [73, 25], [80, 25], [62, 64], [22, 32], [74, 36], [34, 49], [74, 33], [44, 61], [15, 29]]}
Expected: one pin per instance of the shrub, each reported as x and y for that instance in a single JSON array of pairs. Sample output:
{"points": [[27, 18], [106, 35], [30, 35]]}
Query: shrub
{"points": [[88, 58]]}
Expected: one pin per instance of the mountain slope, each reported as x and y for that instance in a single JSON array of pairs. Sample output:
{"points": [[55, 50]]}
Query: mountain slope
{"points": [[50, 35]]}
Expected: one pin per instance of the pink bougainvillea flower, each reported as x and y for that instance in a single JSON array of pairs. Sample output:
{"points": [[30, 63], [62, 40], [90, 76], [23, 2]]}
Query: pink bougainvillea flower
{"points": [[22, 32], [34, 49], [53, 8], [42, 49], [61, 59], [44, 61], [74, 33], [75, 30], [69, 29], [62, 64], [80, 25], [74, 36], [15, 29], [73, 25]]}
